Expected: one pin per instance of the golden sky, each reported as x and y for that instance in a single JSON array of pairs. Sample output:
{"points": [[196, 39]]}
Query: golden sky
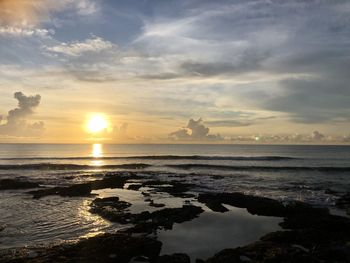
{"points": [[174, 71]]}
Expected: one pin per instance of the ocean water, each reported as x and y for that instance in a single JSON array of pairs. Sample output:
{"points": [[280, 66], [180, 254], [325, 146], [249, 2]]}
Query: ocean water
{"points": [[314, 174]]}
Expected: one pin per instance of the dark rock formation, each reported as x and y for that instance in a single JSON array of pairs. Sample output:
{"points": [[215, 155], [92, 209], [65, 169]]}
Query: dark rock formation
{"points": [[174, 188], [313, 234], [258, 205], [109, 181], [152, 203], [113, 210], [12, 184], [175, 258], [74, 190], [119, 248], [344, 202], [135, 187]]}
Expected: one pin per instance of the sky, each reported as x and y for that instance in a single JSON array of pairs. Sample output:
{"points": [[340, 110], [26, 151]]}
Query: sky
{"points": [[181, 71]]}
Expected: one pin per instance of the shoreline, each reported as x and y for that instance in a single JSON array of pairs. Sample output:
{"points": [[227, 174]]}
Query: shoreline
{"points": [[308, 233]]}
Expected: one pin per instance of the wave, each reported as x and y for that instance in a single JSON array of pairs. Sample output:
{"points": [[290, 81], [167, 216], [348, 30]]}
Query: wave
{"points": [[164, 157], [55, 166], [64, 166], [257, 168]]}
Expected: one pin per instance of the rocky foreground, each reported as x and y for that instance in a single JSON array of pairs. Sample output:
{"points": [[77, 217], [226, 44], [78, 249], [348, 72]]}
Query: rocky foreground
{"points": [[309, 234]]}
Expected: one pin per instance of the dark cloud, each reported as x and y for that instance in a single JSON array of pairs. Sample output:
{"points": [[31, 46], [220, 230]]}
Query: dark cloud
{"points": [[248, 61], [228, 123], [313, 100], [194, 131], [238, 123], [16, 120], [317, 136]]}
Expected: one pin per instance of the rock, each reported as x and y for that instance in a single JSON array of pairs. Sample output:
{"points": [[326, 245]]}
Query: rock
{"points": [[174, 258], [257, 205], [109, 181], [244, 258], [168, 216], [119, 248], [134, 187], [74, 190], [145, 222], [13, 184], [152, 203], [216, 206], [344, 203], [113, 202], [112, 209], [174, 188], [226, 256]]}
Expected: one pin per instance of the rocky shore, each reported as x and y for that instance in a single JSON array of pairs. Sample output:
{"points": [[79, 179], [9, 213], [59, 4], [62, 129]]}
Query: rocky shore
{"points": [[308, 234]]}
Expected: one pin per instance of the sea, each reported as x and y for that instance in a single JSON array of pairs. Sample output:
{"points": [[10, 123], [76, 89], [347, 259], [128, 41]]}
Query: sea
{"points": [[314, 174]]}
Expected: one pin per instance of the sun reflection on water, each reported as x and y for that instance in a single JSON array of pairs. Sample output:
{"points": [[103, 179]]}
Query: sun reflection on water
{"points": [[97, 152], [97, 225]]}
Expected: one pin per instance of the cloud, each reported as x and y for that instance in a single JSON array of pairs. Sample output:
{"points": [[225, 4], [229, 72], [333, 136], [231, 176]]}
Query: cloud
{"points": [[32, 12], [313, 100], [24, 32], [194, 131], [317, 136], [16, 120], [121, 132], [245, 120], [228, 123], [75, 49], [314, 137]]}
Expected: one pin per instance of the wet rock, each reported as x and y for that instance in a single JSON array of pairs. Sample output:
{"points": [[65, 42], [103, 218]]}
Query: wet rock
{"points": [[74, 190], [323, 223], [152, 203], [174, 258], [226, 256], [168, 216], [313, 234], [112, 209], [134, 187], [145, 221], [165, 218], [344, 203], [139, 259], [109, 181], [174, 188], [112, 202], [119, 248], [13, 184], [216, 206], [258, 205]]}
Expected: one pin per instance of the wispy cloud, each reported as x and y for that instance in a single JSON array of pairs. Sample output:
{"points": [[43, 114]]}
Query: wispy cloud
{"points": [[95, 44], [11, 31]]}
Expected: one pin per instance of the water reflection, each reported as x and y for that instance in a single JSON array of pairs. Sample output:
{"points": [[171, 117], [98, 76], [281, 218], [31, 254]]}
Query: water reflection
{"points": [[97, 152], [212, 232]]}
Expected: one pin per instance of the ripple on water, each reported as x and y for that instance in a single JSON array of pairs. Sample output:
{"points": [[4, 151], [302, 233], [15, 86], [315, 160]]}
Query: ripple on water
{"points": [[50, 219]]}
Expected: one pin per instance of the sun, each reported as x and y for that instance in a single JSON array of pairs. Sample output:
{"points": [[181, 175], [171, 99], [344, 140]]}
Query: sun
{"points": [[97, 123]]}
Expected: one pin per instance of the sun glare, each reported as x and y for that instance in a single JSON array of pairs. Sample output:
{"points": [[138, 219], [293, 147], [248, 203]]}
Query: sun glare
{"points": [[96, 124]]}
